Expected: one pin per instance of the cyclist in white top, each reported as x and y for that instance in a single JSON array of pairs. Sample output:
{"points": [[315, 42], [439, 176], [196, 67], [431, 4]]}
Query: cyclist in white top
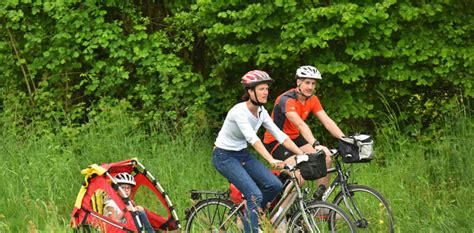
{"points": [[231, 157]]}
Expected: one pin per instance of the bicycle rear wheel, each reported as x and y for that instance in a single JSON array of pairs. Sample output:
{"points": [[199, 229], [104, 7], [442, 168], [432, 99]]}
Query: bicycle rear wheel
{"points": [[367, 208], [323, 216], [214, 215]]}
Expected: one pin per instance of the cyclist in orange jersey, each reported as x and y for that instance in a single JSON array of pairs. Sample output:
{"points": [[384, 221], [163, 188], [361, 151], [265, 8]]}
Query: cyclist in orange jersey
{"points": [[290, 112]]}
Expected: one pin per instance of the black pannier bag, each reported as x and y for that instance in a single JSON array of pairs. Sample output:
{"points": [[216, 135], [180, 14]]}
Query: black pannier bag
{"points": [[312, 166], [356, 149]]}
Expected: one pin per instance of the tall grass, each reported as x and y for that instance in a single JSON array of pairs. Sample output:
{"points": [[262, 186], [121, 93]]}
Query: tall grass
{"points": [[428, 183], [41, 174]]}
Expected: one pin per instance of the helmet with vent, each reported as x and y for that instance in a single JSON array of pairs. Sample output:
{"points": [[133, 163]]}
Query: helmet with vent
{"points": [[125, 178], [255, 77], [310, 72]]}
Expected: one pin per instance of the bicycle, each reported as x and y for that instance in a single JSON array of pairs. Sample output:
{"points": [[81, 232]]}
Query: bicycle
{"points": [[217, 213], [367, 208]]}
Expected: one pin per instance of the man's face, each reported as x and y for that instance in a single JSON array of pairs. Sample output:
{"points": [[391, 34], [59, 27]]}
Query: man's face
{"points": [[306, 86]]}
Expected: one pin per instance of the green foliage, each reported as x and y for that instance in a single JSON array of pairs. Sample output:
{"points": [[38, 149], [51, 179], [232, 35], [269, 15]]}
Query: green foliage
{"points": [[85, 82], [181, 62], [428, 183], [69, 57], [437, 175], [68, 68], [418, 54]]}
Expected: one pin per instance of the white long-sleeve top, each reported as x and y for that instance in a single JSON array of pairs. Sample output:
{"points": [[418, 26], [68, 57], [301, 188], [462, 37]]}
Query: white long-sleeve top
{"points": [[240, 127]]}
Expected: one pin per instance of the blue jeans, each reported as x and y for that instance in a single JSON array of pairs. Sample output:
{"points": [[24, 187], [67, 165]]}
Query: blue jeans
{"points": [[256, 182], [146, 226]]}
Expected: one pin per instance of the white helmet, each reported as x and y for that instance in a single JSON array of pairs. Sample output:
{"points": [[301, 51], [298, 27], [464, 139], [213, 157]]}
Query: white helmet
{"points": [[125, 178], [308, 72]]}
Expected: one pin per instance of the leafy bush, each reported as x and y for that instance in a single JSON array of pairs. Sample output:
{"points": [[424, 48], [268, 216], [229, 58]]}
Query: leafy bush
{"points": [[181, 63], [419, 55], [68, 58]]}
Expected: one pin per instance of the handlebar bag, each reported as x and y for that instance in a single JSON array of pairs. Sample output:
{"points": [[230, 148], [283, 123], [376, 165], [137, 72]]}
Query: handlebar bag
{"points": [[312, 166], [356, 149]]}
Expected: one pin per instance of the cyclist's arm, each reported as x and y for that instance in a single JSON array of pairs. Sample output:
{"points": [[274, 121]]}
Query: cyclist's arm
{"points": [[290, 145], [329, 124], [280, 136], [111, 212], [304, 129], [260, 148], [283, 138]]}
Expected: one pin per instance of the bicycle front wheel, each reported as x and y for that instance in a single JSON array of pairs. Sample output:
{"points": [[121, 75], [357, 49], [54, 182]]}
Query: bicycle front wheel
{"points": [[322, 217], [367, 208], [214, 215]]}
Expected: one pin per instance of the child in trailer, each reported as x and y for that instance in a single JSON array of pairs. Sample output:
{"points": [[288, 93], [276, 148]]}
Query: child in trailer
{"points": [[126, 183]]}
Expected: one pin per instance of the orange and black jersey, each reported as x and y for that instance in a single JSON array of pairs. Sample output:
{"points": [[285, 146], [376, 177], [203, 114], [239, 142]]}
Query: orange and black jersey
{"points": [[288, 102]]}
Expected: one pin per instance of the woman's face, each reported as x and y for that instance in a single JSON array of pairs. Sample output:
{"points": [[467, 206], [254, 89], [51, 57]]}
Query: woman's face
{"points": [[126, 188], [261, 92]]}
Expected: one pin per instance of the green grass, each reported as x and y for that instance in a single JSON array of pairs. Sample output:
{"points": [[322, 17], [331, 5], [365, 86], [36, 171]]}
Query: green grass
{"points": [[427, 182]]}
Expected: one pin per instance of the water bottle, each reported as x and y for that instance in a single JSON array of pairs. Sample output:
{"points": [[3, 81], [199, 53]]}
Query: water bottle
{"points": [[319, 192]]}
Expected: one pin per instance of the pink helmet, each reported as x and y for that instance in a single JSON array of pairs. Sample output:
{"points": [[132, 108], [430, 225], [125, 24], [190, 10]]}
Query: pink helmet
{"points": [[255, 77]]}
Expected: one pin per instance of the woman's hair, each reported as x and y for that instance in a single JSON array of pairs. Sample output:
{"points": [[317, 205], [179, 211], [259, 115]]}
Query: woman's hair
{"points": [[246, 95]]}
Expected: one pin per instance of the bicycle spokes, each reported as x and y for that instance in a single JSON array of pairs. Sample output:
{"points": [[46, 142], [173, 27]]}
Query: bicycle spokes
{"points": [[323, 217], [368, 209], [215, 216]]}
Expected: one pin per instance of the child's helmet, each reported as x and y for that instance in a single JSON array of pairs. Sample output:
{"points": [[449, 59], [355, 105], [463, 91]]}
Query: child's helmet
{"points": [[125, 178]]}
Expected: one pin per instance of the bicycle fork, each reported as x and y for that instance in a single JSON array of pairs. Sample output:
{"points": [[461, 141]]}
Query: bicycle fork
{"points": [[347, 197], [308, 221], [351, 203]]}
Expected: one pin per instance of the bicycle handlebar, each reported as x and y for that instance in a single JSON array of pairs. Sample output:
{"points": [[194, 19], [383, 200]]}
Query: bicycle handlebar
{"points": [[289, 167]]}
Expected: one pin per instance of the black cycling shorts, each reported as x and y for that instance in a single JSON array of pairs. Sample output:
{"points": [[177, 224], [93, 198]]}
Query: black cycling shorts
{"points": [[278, 151]]}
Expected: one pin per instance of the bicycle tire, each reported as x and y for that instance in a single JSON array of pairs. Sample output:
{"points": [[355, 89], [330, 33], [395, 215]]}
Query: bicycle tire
{"points": [[374, 213], [209, 214], [325, 216]]}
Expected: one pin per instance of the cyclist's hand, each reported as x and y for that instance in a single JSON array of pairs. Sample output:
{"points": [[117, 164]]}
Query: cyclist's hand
{"points": [[277, 164], [139, 208], [323, 148]]}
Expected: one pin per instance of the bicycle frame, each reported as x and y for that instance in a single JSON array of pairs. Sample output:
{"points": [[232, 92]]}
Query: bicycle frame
{"points": [[342, 180], [293, 184], [292, 193]]}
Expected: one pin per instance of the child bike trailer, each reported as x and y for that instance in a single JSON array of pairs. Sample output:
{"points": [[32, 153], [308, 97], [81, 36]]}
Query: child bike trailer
{"points": [[100, 184]]}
